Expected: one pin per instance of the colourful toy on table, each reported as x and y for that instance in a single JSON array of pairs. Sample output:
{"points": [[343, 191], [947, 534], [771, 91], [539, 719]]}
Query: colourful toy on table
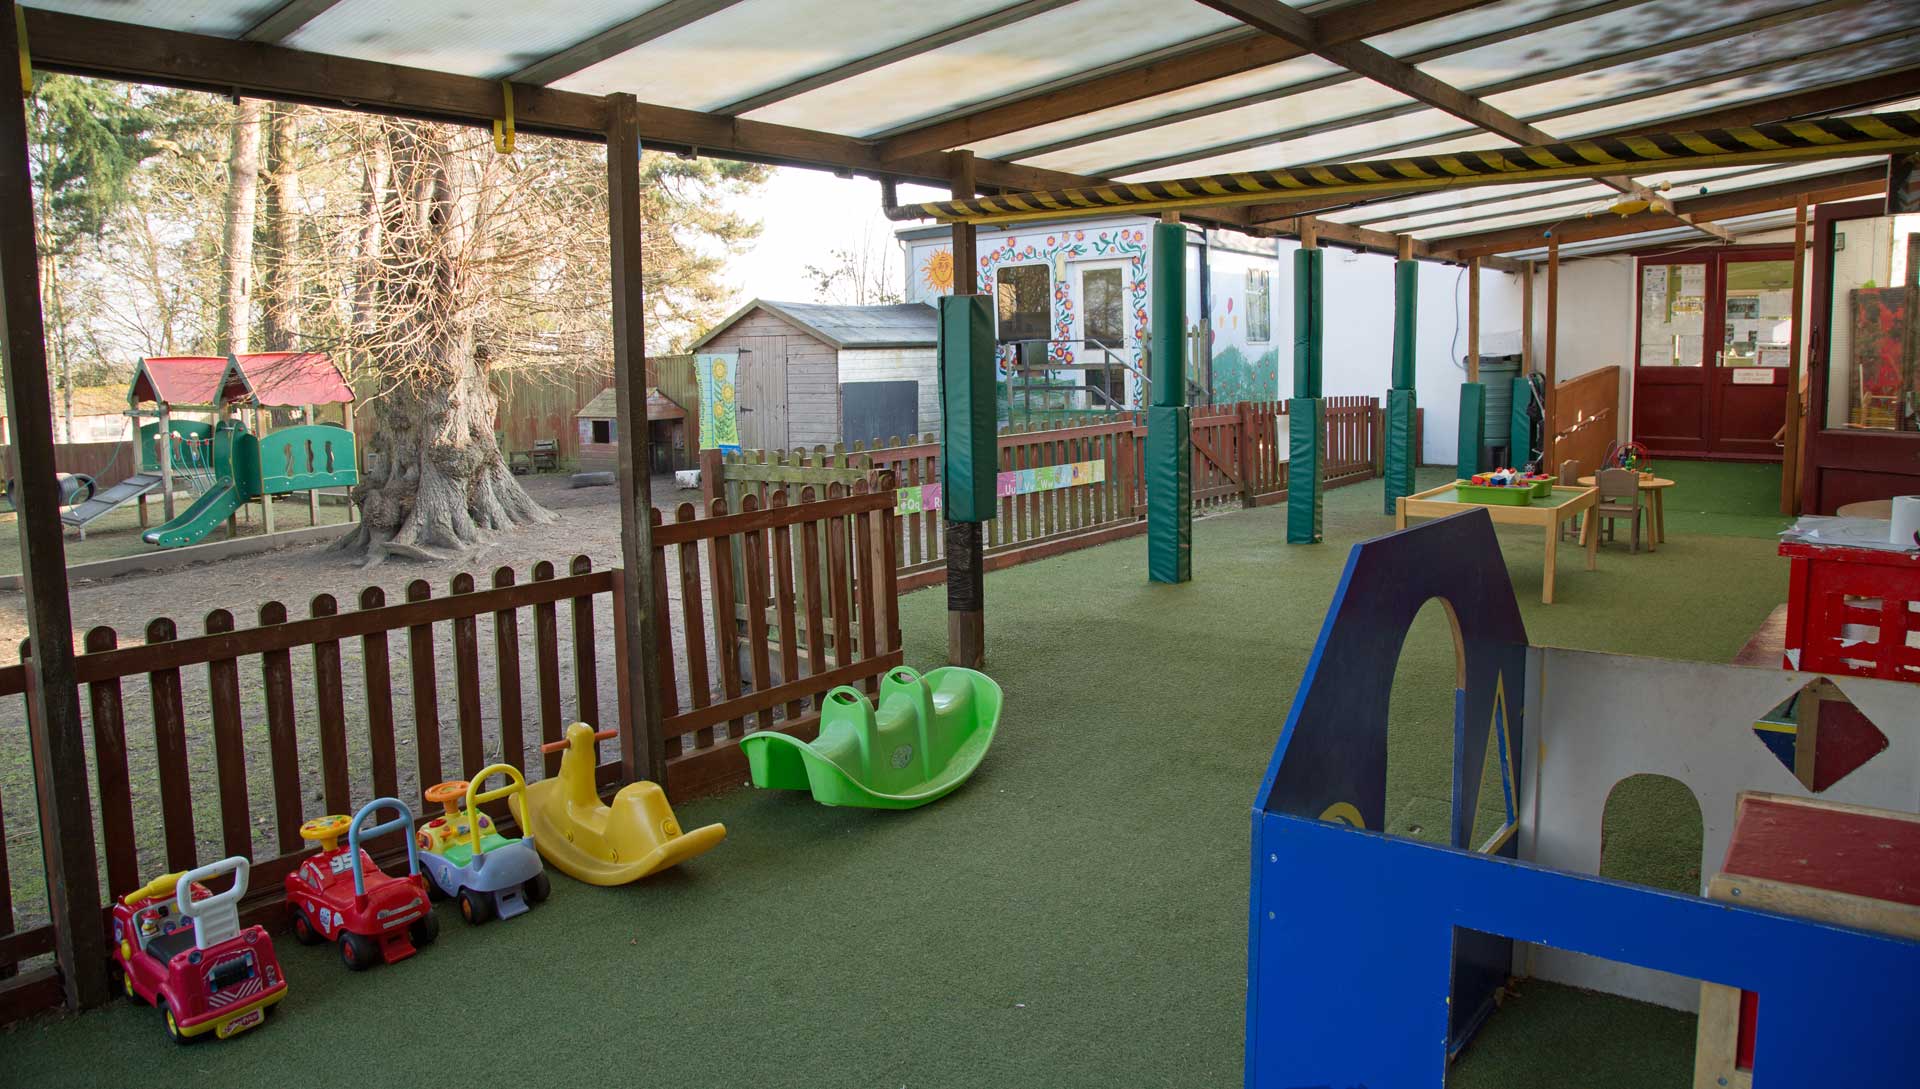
{"points": [[180, 947], [602, 844], [928, 736], [339, 895], [1629, 455], [1506, 487], [467, 858]]}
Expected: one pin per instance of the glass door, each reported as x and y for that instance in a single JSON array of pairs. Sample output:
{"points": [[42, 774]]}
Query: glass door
{"points": [[1752, 322], [1670, 391]]}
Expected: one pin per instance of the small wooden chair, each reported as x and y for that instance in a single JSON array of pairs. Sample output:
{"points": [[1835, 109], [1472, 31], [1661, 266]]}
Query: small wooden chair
{"points": [[1570, 475], [1619, 498]]}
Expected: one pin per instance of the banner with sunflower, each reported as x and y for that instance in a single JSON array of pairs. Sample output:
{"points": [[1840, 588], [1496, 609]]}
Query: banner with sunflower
{"points": [[720, 430]]}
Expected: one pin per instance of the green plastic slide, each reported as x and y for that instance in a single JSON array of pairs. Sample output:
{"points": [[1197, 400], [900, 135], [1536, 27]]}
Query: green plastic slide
{"points": [[928, 736], [207, 513]]}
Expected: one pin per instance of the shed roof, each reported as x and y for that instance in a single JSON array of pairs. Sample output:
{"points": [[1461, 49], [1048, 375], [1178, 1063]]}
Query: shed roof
{"points": [[1059, 93], [887, 325], [604, 406]]}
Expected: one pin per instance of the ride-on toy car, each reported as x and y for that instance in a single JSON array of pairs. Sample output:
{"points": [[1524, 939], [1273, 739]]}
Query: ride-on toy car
{"points": [[466, 857], [340, 895], [180, 946]]}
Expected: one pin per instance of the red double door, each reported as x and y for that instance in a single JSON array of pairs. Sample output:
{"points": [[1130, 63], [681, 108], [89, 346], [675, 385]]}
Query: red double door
{"points": [[1713, 330]]}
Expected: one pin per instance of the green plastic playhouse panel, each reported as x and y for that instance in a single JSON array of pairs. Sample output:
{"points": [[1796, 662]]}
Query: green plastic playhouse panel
{"points": [[299, 459], [1306, 465], [1399, 457], [927, 737], [236, 472], [182, 453], [1473, 429], [969, 441], [1169, 464]]}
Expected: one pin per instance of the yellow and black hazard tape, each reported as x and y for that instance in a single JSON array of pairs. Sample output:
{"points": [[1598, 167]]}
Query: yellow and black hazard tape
{"points": [[1787, 141]]}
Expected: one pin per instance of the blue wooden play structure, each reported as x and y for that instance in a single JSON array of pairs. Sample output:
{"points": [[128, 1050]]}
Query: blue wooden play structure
{"points": [[1373, 958]]}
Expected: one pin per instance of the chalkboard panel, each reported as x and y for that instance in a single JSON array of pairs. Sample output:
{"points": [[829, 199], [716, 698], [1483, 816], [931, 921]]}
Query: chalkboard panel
{"points": [[872, 411]]}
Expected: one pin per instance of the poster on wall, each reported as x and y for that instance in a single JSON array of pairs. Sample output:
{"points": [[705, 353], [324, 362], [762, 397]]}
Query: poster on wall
{"points": [[717, 371]]}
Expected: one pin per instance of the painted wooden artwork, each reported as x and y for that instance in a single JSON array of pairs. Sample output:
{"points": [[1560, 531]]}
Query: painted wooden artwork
{"points": [[718, 372], [926, 497], [1883, 377]]}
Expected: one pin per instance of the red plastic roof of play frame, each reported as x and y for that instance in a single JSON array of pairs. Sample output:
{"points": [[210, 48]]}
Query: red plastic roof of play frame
{"points": [[271, 378]]}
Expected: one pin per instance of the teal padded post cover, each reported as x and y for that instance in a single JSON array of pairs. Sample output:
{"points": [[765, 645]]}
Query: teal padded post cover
{"points": [[1306, 422], [1406, 323], [1399, 457], [1169, 315], [969, 439], [1520, 428], [1473, 425], [1169, 493], [1308, 270]]}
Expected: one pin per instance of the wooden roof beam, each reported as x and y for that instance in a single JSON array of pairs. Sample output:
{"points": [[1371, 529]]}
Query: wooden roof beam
{"points": [[1163, 74], [1842, 185], [655, 22], [287, 18]]}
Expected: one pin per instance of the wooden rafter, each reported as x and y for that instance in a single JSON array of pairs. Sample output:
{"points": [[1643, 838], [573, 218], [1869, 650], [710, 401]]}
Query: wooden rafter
{"points": [[286, 19], [655, 22], [1841, 185], [926, 43], [1216, 60]]}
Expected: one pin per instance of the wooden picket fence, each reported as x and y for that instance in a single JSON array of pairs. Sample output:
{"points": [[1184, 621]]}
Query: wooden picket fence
{"points": [[1239, 455], [185, 774]]}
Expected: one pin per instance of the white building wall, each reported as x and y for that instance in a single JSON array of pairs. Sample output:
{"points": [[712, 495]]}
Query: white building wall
{"points": [[1598, 308], [899, 365]]}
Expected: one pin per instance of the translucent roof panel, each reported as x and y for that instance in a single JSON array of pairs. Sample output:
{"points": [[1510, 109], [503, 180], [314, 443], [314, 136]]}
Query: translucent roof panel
{"points": [[1631, 27], [1843, 65], [1552, 199], [1260, 81], [757, 45], [1385, 208], [1199, 137], [1473, 23], [470, 37], [221, 18], [1080, 36], [1337, 145]]}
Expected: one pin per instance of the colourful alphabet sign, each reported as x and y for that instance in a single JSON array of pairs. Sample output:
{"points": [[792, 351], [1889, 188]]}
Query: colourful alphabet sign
{"points": [[1045, 478]]}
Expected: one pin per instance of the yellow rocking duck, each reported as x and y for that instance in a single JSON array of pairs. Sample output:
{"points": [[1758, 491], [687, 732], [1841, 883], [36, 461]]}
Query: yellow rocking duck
{"points": [[600, 844]]}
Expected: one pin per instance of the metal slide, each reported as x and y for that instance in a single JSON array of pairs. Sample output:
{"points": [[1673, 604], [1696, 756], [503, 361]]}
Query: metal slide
{"points": [[197, 521], [126, 491]]}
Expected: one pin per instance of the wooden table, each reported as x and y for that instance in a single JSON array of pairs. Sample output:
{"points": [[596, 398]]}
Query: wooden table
{"points": [[1549, 514], [1867, 508], [1654, 488]]}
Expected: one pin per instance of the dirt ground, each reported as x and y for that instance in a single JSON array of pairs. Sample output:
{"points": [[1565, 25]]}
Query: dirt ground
{"points": [[589, 525]]}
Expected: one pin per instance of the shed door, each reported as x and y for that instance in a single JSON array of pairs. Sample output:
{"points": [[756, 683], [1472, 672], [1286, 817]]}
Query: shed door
{"points": [[763, 393]]}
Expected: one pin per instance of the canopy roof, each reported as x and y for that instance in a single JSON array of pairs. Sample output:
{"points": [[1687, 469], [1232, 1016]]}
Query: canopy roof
{"points": [[278, 379], [1054, 94]]}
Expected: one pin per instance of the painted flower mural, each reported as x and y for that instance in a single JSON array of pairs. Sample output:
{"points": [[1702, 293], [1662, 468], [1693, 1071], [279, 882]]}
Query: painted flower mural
{"points": [[1055, 251]]}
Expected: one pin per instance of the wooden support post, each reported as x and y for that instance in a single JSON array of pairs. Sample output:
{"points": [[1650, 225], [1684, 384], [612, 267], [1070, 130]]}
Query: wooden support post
{"points": [[1526, 318], [353, 509], [1553, 329], [54, 724], [1790, 430], [966, 541], [164, 433], [1403, 247], [313, 495], [643, 737], [1473, 321], [1309, 233]]}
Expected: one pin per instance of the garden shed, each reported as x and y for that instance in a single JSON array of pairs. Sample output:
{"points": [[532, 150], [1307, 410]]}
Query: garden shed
{"points": [[816, 373]]}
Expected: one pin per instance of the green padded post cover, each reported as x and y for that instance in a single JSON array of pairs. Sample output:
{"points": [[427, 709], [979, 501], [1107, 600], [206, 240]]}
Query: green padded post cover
{"points": [[1406, 323], [1473, 427], [1519, 428], [1169, 493], [1306, 420], [969, 439], [1399, 456], [1169, 315], [1308, 269]]}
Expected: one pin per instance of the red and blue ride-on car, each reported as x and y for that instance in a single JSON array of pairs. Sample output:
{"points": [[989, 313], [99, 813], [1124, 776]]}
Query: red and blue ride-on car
{"points": [[339, 895], [180, 947]]}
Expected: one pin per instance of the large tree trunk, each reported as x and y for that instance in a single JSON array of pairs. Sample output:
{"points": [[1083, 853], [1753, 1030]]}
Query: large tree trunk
{"points": [[435, 482], [280, 325], [235, 324]]}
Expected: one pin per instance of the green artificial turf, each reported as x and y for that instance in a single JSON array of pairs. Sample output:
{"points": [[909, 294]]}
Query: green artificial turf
{"points": [[1073, 916]]}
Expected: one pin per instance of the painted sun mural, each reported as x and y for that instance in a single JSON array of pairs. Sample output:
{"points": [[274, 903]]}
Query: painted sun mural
{"points": [[938, 272]]}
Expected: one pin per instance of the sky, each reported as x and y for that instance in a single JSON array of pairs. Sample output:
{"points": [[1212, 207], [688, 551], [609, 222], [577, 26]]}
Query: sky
{"points": [[803, 215]]}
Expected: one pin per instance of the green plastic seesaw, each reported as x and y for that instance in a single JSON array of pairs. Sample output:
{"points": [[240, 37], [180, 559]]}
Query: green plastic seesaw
{"points": [[927, 737]]}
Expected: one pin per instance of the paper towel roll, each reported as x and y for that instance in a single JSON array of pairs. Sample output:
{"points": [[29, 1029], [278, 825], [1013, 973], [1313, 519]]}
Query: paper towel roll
{"points": [[1906, 519]]}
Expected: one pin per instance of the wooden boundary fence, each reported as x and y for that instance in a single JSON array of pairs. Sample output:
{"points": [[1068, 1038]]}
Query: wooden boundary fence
{"points": [[199, 770], [1239, 455]]}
